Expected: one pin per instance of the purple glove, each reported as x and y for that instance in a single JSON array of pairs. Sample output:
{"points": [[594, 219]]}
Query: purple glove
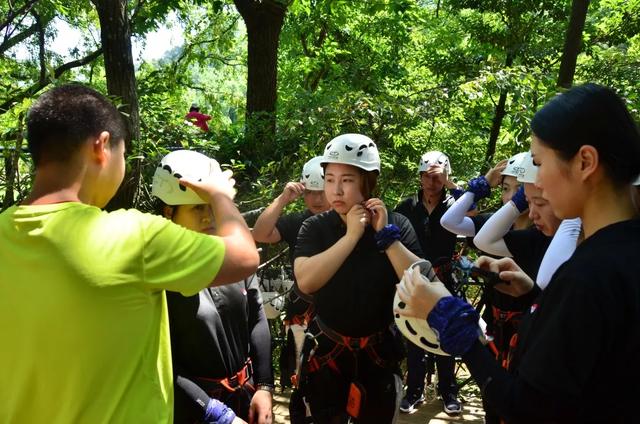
{"points": [[520, 200], [218, 413], [456, 323], [480, 187]]}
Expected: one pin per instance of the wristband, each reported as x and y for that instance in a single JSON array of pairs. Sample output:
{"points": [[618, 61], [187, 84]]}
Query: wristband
{"points": [[218, 413], [520, 200], [387, 236], [480, 187], [266, 387], [456, 323], [456, 193]]}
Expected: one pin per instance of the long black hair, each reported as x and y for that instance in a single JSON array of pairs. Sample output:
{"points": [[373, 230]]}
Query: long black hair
{"points": [[594, 115]]}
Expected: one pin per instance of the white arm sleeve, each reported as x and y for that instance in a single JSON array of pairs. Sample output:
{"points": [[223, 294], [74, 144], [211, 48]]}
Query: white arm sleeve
{"points": [[560, 249], [455, 220], [490, 237]]}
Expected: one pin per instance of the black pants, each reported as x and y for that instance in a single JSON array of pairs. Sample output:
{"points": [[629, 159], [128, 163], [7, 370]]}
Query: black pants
{"points": [[327, 389], [417, 370]]}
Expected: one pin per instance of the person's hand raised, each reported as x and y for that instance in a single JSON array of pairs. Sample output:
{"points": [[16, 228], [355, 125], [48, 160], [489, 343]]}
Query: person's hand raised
{"points": [[494, 175], [218, 182], [292, 191], [377, 213], [357, 221]]}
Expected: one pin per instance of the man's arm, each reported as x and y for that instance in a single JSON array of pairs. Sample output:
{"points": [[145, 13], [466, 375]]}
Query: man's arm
{"points": [[241, 258], [264, 230]]}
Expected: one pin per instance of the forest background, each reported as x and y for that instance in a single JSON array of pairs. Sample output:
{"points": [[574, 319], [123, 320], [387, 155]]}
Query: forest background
{"points": [[281, 78]]}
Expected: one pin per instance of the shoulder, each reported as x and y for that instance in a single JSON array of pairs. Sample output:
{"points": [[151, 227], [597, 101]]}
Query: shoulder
{"points": [[407, 204]]}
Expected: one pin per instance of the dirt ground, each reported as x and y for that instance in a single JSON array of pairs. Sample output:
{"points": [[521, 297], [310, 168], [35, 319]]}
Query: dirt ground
{"points": [[429, 412]]}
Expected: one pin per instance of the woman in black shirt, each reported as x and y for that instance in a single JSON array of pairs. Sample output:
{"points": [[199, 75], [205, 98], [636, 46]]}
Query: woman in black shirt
{"points": [[577, 346], [350, 259]]}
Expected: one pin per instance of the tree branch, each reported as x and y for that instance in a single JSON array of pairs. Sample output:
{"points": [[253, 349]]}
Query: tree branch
{"points": [[6, 105]]}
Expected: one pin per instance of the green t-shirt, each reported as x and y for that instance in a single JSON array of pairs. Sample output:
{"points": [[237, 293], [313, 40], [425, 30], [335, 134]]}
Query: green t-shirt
{"points": [[84, 334]]}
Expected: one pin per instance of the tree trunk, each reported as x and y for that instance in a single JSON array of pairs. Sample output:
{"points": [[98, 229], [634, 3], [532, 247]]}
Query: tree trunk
{"points": [[264, 20], [115, 34], [572, 43], [496, 124]]}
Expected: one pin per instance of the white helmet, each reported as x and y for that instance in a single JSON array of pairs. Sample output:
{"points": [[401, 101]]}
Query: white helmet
{"points": [[178, 164], [313, 174], [353, 149], [514, 164], [528, 171], [418, 330], [436, 158], [637, 181]]}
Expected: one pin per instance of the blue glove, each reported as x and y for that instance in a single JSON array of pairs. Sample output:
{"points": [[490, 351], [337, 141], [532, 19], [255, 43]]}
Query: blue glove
{"points": [[218, 413], [456, 323], [520, 200], [480, 187]]}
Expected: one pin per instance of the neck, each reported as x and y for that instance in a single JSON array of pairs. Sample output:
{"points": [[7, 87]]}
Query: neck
{"points": [[54, 183], [430, 200], [605, 208]]}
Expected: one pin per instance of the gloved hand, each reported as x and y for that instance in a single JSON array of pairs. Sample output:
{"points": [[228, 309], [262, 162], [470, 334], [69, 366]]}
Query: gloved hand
{"points": [[520, 200]]}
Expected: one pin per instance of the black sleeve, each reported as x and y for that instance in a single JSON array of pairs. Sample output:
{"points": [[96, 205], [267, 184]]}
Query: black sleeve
{"points": [[408, 236], [193, 392], [260, 336], [308, 236], [288, 226], [404, 207], [511, 397]]}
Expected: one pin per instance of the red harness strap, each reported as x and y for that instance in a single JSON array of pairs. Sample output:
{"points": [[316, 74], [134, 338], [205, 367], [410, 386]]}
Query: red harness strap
{"points": [[234, 382], [343, 342]]}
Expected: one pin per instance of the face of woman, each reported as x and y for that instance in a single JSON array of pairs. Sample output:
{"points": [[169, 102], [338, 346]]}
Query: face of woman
{"points": [[508, 188], [556, 181], [540, 211], [316, 201], [342, 186], [194, 217]]}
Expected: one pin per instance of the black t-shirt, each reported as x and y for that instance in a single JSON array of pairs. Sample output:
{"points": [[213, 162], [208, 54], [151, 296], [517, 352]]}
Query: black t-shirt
{"points": [[215, 331], [582, 340], [288, 226], [358, 300], [527, 248], [436, 242]]}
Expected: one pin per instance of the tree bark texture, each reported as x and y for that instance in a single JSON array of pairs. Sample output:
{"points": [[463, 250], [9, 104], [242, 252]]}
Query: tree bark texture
{"points": [[264, 20], [572, 42], [115, 34]]}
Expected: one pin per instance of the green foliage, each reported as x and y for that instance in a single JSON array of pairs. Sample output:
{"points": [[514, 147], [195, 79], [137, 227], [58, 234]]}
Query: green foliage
{"points": [[415, 75]]}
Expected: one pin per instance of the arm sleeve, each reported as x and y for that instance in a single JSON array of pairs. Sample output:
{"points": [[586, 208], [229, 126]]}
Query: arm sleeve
{"points": [[260, 336], [490, 238], [561, 248], [455, 219]]}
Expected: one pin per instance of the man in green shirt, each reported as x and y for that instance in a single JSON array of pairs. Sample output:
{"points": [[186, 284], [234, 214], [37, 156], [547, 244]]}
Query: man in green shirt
{"points": [[83, 316]]}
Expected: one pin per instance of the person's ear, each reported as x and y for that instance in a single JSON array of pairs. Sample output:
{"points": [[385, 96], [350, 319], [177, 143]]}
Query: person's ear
{"points": [[167, 211], [587, 161], [101, 146]]}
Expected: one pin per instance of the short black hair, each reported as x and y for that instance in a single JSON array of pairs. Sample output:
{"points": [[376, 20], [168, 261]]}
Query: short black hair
{"points": [[594, 115], [65, 116]]}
